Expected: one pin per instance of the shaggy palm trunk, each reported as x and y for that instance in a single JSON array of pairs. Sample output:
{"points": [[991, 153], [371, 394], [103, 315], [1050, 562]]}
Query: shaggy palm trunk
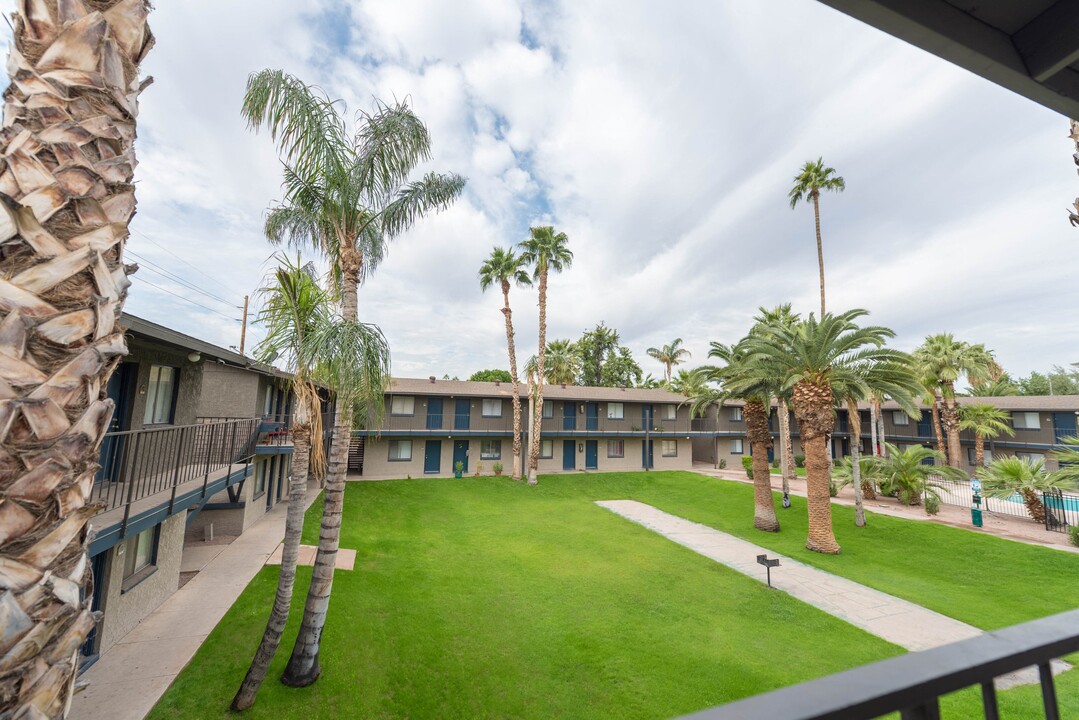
{"points": [[275, 626], [979, 451], [855, 465], [820, 247], [813, 410], [949, 418], [303, 667], [937, 428], [1034, 505], [760, 439], [515, 381], [66, 197], [537, 420], [787, 460]]}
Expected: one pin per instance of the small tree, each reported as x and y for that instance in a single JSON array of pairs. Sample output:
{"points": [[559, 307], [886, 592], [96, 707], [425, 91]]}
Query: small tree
{"points": [[985, 421], [906, 475], [1008, 476]]}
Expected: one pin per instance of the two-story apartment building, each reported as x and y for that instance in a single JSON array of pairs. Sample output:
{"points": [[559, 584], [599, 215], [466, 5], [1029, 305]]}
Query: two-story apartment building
{"points": [[431, 425], [187, 447]]}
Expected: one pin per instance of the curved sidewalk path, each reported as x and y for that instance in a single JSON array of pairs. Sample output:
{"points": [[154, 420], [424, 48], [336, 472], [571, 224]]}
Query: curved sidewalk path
{"points": [[898, 621]]}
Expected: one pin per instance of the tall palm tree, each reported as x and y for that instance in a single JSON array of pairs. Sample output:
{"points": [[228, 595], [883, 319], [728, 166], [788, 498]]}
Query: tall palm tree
{"points": [[1008, 476], [345, 196], [985, 421], [504, 267], [782, 315], [814, 358], [66, 180], [808, 184], [544, 250], [944, 361], [745, 375], [294, 305], [670, 355]]}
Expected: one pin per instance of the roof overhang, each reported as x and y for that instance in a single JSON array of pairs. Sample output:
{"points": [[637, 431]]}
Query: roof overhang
{"points": [[1028, 46]]}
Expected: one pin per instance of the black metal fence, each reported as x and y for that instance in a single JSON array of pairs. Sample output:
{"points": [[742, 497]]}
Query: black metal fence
{"points": [[1061, 509], [913, 684], [137, 464]]}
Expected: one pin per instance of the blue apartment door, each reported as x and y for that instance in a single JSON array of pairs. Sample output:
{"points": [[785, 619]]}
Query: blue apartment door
{"points": [[647, 417], [591, 455], [461, 413], [569, 416], [1063, 425], [460, 454], [591, 418], [119, 391], [569, 455], [434, 413], [432, 456], [97, 567]]}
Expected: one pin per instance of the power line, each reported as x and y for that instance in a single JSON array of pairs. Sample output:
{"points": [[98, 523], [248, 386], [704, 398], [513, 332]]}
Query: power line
{"points": [[185, 262], [170, 292], [168, 274]]}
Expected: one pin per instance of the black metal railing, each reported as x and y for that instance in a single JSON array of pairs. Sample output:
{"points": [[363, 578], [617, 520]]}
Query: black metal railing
{"points": [[136, 464], [1061, 509], [913, 684]]}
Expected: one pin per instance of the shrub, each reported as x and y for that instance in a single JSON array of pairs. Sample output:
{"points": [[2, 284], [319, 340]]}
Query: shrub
{"points": [[932, 505], [833, 489], [498, 468], [722, 463], [1073, 533], [775, 462], [800, 460], [459, 466], [747, 464]]}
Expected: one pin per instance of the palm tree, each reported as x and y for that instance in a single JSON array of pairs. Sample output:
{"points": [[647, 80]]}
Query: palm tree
{"points": [[944, 361], [1009, 476], [650, 382], [294, 305], [543, 250], [1068, 457], [69, 158], [345, 196], [504, 267], [747, 376], [563, 362], [909, 474], [985, 421], [808, 183], [669, 355], [813, 358], [782, 315]]}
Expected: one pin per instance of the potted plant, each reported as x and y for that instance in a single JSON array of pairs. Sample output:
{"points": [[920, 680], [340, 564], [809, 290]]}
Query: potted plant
{"points": [[497, 468], [479, 469], [458, 468]]}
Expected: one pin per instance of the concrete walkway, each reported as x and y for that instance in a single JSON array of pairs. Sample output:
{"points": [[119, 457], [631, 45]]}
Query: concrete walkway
{"points": [[896, 620], [132, 675]]}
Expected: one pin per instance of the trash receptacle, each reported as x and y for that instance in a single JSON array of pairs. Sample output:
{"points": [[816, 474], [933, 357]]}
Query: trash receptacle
{"points": [[976, 509]]}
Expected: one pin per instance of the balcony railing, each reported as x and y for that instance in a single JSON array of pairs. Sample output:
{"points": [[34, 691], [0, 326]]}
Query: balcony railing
{"points": [[449, 423], [913, 684], [137, 465]]}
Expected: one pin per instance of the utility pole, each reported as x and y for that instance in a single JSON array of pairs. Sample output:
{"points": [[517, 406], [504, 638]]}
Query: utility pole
{"points": [[243, 327]]}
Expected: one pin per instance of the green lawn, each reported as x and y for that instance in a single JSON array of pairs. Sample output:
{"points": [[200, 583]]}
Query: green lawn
{"points": [[799, 471], [487, 598]]}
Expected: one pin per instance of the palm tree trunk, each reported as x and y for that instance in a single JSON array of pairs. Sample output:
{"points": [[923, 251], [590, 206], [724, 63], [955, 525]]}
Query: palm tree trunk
{"points": [[787, 460], [537, 424], [882, 451], [820, 247], [275, 626], [979, 451], [760, 439], [67, 198], [303, 668], [873, 427], [856, 469], [950, 421], [1034, 505], [515, 381], [813, 410], [937, 429]]}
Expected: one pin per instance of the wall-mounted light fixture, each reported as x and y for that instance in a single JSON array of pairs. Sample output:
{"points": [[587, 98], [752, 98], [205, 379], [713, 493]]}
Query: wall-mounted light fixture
{"points": [[580, 447], [194, 357]]}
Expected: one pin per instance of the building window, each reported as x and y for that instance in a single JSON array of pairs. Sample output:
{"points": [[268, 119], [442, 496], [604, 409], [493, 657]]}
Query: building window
{"points": [[400, 450], [548, 408], [260, 478], [670, 412], [736, 414], [736, 446], [616, 448], [492, 408], [669, 448], [160, 395], [616, 411], [490, 450], [546, 449], [900, 418], [140, 554], [987, 456], [403, 405], [1026, 421], [268, 407], [1031, 456]]}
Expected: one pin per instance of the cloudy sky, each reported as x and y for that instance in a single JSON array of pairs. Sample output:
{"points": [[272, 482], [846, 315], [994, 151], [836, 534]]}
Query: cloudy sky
{"points": [[661, 141]]}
